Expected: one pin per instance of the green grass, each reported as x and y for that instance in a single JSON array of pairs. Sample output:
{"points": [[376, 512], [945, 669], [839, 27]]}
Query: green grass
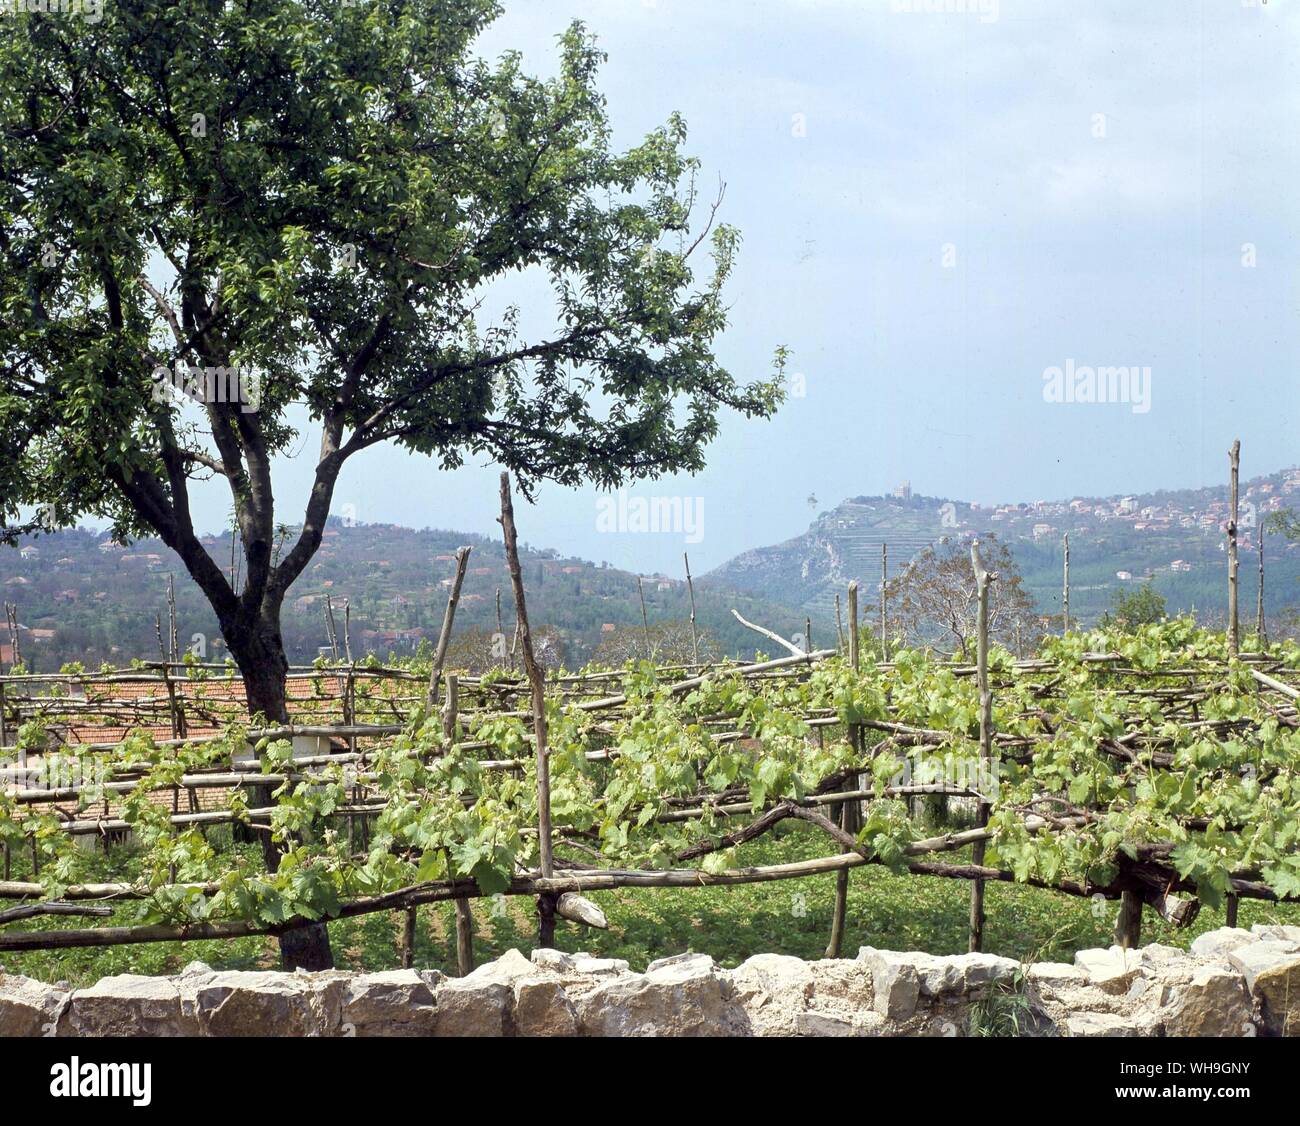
{"points": [[731, 923]]}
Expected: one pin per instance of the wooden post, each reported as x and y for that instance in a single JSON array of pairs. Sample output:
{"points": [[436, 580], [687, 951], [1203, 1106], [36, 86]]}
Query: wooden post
{"points": [[839, 625], [807, 634], [840, 911], [1234, 626], [884, 602], [448, 617], [690, 586], [1065, 589], [174, 649], [1128, 928], [330, 630], [500, 638], [545, 903], [408, 938], [1261, 629], [645, 621], [1230, 911], [464, 917], [983, 579]]}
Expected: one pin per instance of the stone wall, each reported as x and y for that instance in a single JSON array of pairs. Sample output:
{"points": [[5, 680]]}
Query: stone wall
{"points": [[1233, 982]]}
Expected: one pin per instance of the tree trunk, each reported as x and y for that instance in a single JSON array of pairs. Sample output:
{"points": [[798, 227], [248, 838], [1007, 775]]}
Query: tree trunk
{"points": [[259, 653]]}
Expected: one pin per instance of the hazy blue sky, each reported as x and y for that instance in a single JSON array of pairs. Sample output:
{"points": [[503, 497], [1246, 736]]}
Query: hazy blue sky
{"points": [[1105, 240]]}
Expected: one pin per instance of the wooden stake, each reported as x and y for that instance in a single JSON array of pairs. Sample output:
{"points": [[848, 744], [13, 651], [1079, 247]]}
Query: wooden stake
{"points": [[448, 617], [1230, 911], [1065, 589], [839, 624], [690, 586], [464, 917], [884, 601], [1128, 928], [1234, 625], [840, 910], [645, 621], [983, 580], [1261, 629], [408, 938], [545, 903]]}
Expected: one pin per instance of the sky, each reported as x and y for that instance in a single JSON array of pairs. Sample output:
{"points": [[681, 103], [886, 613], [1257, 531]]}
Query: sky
{"points": [[940, 202]]}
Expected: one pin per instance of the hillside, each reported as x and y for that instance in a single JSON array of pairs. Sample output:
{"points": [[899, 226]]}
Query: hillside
{"points": [[1173, 537], [81, 597]]}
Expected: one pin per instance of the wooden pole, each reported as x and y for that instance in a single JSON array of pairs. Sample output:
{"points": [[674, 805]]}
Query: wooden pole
{"points": [[1065, 588], [1234, 626], [884, 601], [645, 621], [983, 580], [464, 917], [1128, 928], [1230, 911], [1261, 628], [690, 586], [839, 625], [448, 617], [408, 937], [501, 633], [175, 649], [546, 902], [840, 911]]}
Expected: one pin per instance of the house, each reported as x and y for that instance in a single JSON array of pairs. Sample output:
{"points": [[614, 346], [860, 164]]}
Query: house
{"points": [[1041, 530], [1180, 565], [1124, 576], [606, 627], [29, 553]]}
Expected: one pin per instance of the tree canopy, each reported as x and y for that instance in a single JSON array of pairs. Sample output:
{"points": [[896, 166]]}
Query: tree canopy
{"points": [[308, 205]]}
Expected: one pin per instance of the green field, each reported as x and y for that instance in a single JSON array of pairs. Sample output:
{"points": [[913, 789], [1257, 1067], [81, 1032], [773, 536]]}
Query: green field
{"points": [[886, 910]]}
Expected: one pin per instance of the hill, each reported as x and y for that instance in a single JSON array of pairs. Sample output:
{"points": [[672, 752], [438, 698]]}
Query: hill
{"points": [[1174, 538], [81, 597]]}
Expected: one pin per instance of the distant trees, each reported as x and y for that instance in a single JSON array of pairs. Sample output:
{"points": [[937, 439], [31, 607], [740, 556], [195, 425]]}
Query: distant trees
{"points": [[1130, 609], [670, 643], [933, 601]]}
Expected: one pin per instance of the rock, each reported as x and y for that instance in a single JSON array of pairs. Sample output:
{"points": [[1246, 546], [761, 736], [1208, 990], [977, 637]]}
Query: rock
{"points": [[703, 961], [261, 1003], [976, 973], [128, 1005], [773, 989], [677, 997], [1219, 943], [555, 960], [1272, 974], [469, 1006], [1214, 1002], [586, 964], [196, 968], [1098, 1024], [1055, 972], [28, 1007], [1277, 933], [393, 1003], [511, 965], [543, 1008], [895, 981], [1111, 969], [823, 1024]]}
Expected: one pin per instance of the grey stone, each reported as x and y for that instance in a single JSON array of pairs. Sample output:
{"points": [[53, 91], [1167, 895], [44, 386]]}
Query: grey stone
{"points": [[28, 1007]]}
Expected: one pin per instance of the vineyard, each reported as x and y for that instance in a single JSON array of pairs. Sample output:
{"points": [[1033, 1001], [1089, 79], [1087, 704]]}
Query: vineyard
{"points": [[1145, 767]]}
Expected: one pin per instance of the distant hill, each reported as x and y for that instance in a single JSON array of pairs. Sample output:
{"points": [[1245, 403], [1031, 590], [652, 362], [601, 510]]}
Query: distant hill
{"points": [[82, 598], [1174, 537]]}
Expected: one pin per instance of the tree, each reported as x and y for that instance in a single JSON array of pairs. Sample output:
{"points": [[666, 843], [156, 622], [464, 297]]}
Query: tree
{"points": [[670, 643], [224, 224], [933, 602], [1131, 609]]}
